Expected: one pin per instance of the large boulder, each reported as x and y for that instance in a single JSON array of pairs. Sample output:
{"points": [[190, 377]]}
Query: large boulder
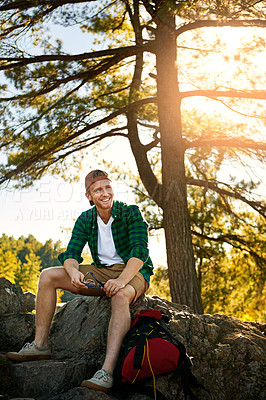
{"points": [[16, 320], [229, 355]]}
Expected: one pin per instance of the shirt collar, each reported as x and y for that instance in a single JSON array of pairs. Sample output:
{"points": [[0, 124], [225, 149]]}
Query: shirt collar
{"points": [[116, 210]]}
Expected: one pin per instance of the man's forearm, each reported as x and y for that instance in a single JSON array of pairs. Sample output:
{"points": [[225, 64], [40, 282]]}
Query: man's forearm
{"points": [[133, 266], [72, 268], [71, 265]]}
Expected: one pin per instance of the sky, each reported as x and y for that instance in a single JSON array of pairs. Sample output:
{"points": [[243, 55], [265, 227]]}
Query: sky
{"points": [[49, 208]]}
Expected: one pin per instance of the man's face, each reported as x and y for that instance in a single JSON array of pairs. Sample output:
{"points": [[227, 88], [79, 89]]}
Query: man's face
{"points": [[102, 195]]}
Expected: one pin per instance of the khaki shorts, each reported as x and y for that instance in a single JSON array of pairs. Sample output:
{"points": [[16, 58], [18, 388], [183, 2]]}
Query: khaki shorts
{"points": [[103, 274]]}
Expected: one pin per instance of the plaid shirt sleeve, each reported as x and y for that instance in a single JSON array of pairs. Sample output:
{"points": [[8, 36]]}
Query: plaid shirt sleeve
{"points": [[137, 234], [76, 243], [130, 236]]}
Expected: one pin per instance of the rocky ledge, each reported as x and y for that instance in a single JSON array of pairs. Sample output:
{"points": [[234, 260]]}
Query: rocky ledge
{"points": [[228, 355]]}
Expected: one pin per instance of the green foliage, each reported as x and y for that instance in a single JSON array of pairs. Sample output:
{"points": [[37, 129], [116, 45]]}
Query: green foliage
{"points": [[8, 264], [48, 253], [159, 285], [22, 259], [28, 272], [232, 284], [236, 285]]}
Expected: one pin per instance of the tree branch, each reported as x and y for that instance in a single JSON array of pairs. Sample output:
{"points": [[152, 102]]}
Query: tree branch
{"points": [[229, 239], [123, 52], [83, 144], [226, 142], [57, 146], [87, 75], [24, 5], [257, 206], [144, 167], [256, 94], [216, 24]]}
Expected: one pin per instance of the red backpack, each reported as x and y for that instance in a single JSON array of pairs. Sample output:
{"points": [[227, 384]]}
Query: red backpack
{"points": [[149, 349]]}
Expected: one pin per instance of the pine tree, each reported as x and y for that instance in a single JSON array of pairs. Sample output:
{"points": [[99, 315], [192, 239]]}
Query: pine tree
{"points": [[136, 88]]}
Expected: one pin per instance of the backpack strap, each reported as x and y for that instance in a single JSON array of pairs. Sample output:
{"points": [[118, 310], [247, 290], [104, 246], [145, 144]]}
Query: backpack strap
{"points": [[143, 332], [139, 352], [189, 380]]}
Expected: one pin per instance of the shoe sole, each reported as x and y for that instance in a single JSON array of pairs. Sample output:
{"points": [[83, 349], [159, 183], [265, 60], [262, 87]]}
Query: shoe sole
{"points": [[17, 357], [94, 386]]}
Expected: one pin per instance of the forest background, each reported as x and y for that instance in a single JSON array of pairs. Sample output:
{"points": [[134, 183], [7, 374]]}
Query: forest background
{"points": [[228, 236]]}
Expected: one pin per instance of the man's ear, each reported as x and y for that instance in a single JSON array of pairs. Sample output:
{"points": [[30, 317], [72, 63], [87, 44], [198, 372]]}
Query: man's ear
{"points": [[88, 196]]}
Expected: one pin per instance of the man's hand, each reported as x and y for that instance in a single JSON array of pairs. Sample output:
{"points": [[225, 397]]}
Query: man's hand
{"points": [[72, 268], [112, 286], [76, 279]]}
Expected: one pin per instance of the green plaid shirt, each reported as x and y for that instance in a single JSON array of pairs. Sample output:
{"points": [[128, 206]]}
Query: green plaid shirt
{"points": [[129, 232]]}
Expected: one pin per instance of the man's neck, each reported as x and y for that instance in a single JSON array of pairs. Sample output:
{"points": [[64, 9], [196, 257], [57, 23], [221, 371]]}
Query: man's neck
{"points": [[105, 215]]}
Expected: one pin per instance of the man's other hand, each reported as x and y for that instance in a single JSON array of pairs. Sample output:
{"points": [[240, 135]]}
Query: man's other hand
{"points": [[112, 286]]}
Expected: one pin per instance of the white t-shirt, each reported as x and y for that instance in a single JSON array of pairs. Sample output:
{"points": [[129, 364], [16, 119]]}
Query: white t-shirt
{"points": [[106, 247]]}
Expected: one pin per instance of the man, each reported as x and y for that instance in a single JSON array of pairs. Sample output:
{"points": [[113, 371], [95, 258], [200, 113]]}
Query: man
{"points": [[118, 240]]}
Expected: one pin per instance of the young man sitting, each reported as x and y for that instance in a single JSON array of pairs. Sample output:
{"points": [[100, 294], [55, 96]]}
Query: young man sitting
{"points": [[118, 240]]}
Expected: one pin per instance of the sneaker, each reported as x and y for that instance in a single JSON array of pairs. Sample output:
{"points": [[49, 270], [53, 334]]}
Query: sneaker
{"points": [[30, 352], [101, 380]]}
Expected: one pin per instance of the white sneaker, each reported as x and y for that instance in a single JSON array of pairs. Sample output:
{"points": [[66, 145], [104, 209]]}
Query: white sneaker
{"points": [[101, 380], [30, 352]]}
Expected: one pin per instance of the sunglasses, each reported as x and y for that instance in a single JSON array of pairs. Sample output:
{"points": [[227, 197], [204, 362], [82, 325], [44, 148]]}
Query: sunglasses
{"points": [[90, 283]]}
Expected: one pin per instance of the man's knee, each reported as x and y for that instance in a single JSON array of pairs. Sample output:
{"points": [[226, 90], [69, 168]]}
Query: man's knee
{"points": [[123, 297], [50, 276], [45, 276]]}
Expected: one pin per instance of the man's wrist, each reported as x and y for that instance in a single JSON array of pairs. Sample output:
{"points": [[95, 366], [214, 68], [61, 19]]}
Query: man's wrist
{"points": [[123, 283]]}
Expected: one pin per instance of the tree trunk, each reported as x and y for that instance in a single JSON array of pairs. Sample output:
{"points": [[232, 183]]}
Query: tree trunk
{"points": [[184, 286]]}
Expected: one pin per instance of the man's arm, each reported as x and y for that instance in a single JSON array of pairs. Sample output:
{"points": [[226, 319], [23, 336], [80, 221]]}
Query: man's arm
{"points": [[112, 286], [72, 268], [137, 230], [133, 266], [71, 258]]}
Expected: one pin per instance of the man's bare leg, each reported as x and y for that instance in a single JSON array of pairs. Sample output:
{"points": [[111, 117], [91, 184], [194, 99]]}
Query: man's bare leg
{"points": [[118, 326], [50, 280]]}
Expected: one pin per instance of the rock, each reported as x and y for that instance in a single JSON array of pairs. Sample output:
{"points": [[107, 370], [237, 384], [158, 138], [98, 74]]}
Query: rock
{"points": [[90, 317], [16, 322], [15, 330], [13, 300], [6, 383], [82, 393], [28, 302], [46, 379], [229, 355], [11, 297]]}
